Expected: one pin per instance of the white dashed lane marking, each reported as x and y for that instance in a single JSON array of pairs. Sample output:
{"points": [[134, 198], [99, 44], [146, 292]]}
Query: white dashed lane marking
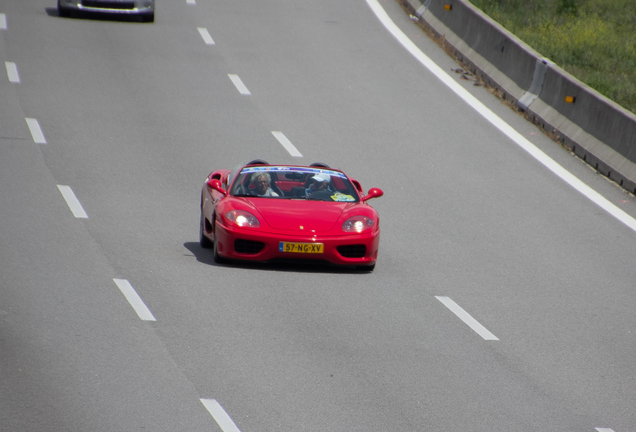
{"points": [[12, 72], [222, 418], [287, 144], [36, 131], [206, 36], [465, 316], [135, 301], [3, 22], [72, 202], [239, 84]]}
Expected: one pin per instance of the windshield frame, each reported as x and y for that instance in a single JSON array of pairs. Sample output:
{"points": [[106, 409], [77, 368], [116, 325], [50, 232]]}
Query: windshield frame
{"points": [[239, 174]]}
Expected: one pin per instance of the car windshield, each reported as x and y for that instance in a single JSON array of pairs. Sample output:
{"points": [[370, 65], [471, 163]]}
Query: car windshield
{"points": [[287, 182]]}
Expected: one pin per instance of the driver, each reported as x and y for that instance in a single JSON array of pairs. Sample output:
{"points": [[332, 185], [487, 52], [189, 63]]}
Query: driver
{"points": [[319, 182], [261, 182]]}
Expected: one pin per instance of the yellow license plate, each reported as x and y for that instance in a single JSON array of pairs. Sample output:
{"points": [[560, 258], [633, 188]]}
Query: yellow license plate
{"points": [[301, 247]]}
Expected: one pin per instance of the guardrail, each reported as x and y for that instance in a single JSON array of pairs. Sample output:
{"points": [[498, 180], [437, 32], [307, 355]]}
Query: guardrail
{"points": [[596, 129]]}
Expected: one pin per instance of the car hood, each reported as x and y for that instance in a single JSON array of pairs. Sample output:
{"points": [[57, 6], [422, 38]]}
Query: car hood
{"points": [[299, 215]]}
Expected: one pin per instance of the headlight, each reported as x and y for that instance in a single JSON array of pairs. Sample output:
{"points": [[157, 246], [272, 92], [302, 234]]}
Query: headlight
{"points": [[242, 218], [357, 224]]}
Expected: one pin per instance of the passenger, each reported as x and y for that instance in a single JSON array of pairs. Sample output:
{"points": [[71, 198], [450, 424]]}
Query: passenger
{"points": [[261, 182]]}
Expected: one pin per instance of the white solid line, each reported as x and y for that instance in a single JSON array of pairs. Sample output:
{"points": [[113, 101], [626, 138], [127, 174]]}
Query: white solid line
{"points": [[496, 121], [3, 22], [219, 414], [72, 202], [287, 144], [239, 84], [12, 72], [36, 131], [135, 301], [205, 35], [465, 316]]}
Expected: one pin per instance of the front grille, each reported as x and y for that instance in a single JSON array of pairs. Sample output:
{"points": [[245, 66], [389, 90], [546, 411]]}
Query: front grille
{"points": [[108, 4], [248, 246], [352, 251]]}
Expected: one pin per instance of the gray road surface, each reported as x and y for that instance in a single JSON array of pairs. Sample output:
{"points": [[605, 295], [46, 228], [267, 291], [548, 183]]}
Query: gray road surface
{"points": [[136, 115]]}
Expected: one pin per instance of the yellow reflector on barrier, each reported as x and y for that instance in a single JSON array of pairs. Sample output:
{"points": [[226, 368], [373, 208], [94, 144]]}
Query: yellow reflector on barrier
{"points": [[448, 6], [570, 99]]}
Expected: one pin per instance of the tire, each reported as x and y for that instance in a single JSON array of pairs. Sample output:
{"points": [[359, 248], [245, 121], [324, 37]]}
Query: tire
{"points": [[61, 12], [366, 269], [148, 18], [205, 242]]}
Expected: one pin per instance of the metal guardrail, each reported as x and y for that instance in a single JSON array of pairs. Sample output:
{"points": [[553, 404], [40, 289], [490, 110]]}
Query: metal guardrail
{"points": [[596, 129]]}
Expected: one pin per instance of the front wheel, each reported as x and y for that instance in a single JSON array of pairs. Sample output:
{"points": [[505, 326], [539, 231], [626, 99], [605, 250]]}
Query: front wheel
{"points": [[205, 242], [367, 269], [61, 12], [149, 18]]}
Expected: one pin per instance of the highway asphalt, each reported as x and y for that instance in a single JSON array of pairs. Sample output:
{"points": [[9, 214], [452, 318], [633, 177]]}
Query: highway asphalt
{"points": [[503, 299]]}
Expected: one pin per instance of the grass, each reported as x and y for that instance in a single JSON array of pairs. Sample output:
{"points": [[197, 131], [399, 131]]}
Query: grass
{"points": [[594, 40]]}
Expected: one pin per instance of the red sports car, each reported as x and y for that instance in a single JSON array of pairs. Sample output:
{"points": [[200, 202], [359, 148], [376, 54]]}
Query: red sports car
{"points": [[263, 212]]}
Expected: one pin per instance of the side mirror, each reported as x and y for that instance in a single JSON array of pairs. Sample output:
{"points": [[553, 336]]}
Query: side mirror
{"points": [[373, 193], [216, 185]]}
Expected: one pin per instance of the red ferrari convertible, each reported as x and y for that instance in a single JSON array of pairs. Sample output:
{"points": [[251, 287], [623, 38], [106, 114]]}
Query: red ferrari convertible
{"points": [[263, 212]]}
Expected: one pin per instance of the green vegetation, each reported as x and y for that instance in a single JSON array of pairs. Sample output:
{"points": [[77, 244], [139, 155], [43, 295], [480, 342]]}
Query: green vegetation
{"points": [[594, 40]]}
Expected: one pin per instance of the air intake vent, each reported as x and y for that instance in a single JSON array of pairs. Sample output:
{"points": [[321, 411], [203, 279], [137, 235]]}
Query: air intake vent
{"points": [[108, 4], [248, 246], [352, 251]]}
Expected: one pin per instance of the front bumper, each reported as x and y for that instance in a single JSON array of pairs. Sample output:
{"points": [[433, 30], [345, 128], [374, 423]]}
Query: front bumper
{"points": [[347, 249], [131, 7]]}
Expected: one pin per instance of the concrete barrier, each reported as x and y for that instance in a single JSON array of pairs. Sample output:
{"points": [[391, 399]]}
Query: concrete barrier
{"points": [[598, 130]]}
